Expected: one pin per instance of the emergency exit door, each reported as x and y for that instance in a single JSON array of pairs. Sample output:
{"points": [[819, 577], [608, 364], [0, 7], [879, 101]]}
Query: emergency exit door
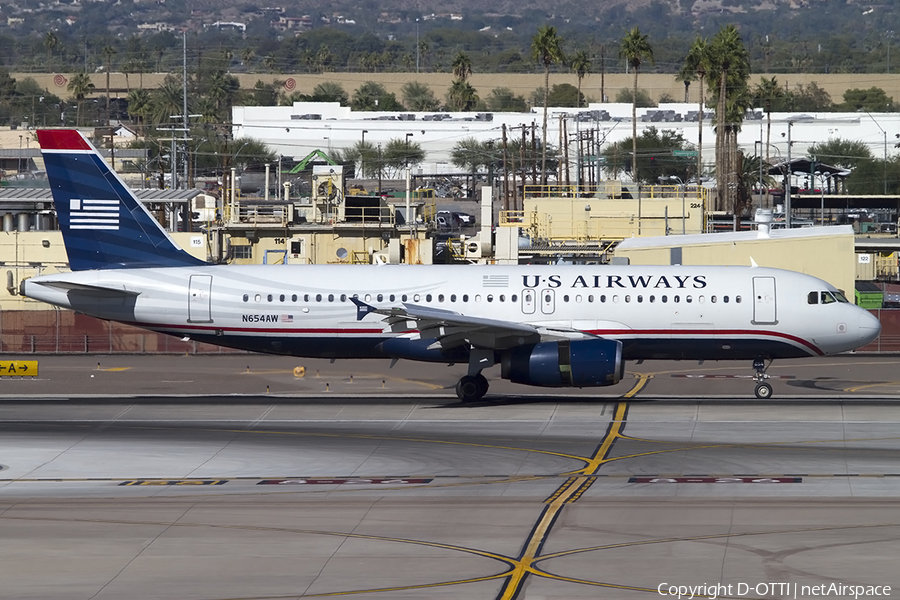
{"points": [[548, 301], [199, 298], [764, 307]]}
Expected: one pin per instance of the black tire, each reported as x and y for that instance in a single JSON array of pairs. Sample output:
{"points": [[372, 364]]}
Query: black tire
{"points": [[469, 390], [483, 385], [763, 391]]}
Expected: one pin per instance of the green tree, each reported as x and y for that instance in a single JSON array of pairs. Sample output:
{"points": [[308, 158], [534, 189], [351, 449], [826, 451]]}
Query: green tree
{"points": [[80, 86], [373, 96], [730, 72], [472, 156], [873, 99], [503, 99], [546, 48], [418, 96], [462, 66], [808, 98], [697, 62], [167, 100], [401, 153], [656, 149], [330, 91], [51, 42], [565, 94], [461, 97], [366, 155], [642, 100], [139, 106], [581, 65], [635, 49], [838, 152], [766, 93]]}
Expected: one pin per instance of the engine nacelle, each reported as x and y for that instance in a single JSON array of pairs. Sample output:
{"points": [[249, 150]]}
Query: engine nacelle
{"points": [[578, 363]]}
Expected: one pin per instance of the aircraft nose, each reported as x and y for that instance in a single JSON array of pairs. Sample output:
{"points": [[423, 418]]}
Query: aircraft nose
{"points": [[869, 327]]}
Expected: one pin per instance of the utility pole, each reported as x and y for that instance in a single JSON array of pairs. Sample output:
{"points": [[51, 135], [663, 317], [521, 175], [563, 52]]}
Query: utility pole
{"points": [[505, 172]]}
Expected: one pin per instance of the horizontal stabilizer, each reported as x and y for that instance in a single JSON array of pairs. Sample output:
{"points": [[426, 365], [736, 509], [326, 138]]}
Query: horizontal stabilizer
{"points": [[98, 290]]}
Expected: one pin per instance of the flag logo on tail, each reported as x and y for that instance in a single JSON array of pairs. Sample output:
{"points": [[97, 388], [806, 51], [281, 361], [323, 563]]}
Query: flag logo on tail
{"points": [[93, 214]]}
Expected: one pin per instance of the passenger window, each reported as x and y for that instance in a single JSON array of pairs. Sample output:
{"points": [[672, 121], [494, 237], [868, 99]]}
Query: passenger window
{"points": [[640, 298], [246, 297], [416, 297], [318, 297], [465, 297], [502, 298], [331, 297], [701, 299], [615, 299], [368, 297], [725, 299], [712, 299], [391, 298], [602, 297], [281, 298], [344, 297], [676, 299], [627, 298], [688, 299], [477, 298], [590, 297], [403, 298], [428, 298], [269, 297], [490, 297], [440, 297], [293, 297], [306, 297], [452, 297], [257, 298], [578, 298], [664, 299], [652, 299], [566, 298], [737, 299], [513, 298]]}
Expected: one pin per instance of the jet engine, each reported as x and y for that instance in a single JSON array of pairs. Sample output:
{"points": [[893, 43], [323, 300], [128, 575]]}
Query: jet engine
{"points": [[569, 363]]}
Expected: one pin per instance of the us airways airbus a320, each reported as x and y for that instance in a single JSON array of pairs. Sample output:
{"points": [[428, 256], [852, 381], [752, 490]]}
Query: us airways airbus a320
{"points": [[554, 326]]}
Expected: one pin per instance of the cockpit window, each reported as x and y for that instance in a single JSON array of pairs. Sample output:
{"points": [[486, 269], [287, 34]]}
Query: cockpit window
{"points": [[812, 298], [840, 297], [827, 298]]}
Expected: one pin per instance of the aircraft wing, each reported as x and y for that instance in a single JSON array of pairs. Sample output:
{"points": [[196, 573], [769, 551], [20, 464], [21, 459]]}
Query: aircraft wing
{"points": [[449, 328]]}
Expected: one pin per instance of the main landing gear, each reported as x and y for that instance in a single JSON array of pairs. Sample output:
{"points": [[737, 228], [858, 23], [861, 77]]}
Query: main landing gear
{"points": [[763, 388], [473, 386]]}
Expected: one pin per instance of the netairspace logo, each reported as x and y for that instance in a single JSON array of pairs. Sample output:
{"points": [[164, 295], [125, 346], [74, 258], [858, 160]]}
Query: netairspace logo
{"points": [[783, 590]]}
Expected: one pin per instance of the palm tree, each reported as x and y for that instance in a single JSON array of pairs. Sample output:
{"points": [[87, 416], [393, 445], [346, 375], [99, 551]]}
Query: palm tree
{"points": [[80, 86], [767, 91], [730, 68], [546, 48], [729, 72], [581, 64], [139, 105], [247, 56], [418, 96], [462, 66], [635, 49], [167, 99], [107, 52], [50, 43], [697, 61], [269, 62], [462, 96]]}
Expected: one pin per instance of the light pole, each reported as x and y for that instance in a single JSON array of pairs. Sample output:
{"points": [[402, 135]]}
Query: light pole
{"points": [[683, 214], [417, 47], [824, 177], [362, 156]]}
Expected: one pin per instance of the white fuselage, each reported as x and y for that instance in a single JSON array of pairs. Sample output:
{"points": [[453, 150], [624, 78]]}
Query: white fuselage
{"points": [[664, 312]]}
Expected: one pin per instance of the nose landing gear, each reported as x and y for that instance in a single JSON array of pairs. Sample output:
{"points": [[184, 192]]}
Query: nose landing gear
{"points": [[763, 388]]}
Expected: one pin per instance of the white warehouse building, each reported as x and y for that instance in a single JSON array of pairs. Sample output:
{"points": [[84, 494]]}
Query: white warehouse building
{"points": [[297, 130]]}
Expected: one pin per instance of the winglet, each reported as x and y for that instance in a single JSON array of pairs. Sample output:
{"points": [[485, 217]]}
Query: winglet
{"points": [[753, 264], [362, 309]]}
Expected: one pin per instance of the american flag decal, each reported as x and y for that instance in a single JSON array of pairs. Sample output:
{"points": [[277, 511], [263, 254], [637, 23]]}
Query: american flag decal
{"points": [[495, 281], [93, 214], [287, 318]]}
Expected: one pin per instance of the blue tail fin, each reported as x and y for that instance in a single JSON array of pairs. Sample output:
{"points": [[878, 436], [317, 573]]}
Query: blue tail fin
{"points": [[104, 225]]}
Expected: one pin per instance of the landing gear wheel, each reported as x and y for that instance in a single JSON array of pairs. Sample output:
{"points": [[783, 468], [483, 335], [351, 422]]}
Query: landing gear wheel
{"points": [[469, 389], [763, 391], [483, 385]]}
